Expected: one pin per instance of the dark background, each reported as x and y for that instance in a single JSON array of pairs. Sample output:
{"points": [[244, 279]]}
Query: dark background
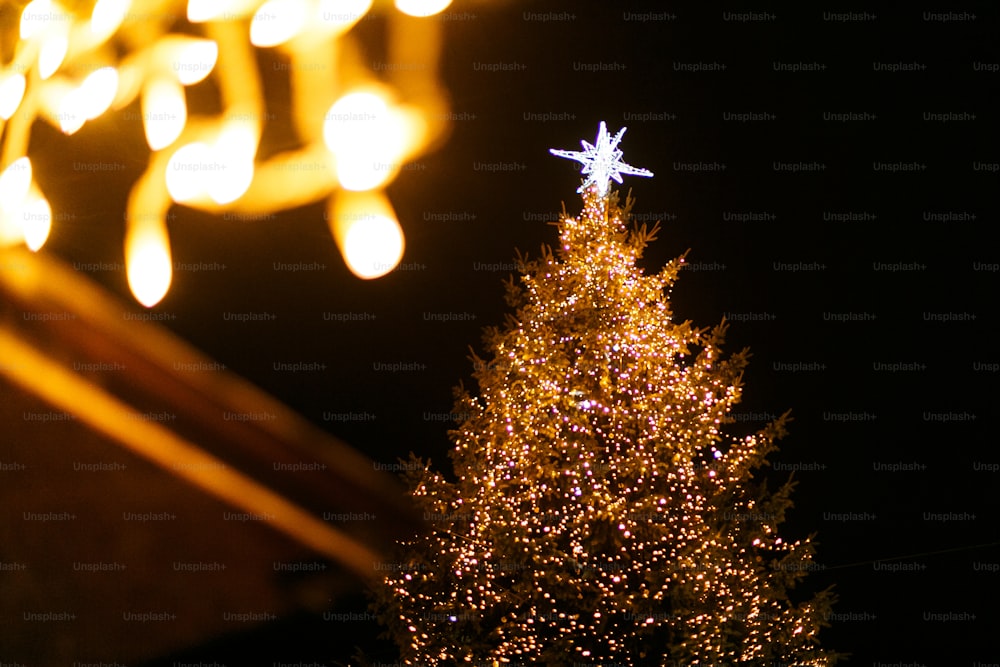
{"points": [[895, 274]]}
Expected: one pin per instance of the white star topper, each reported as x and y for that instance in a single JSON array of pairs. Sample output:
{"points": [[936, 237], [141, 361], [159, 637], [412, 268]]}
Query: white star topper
{"points": [[602, 161]]}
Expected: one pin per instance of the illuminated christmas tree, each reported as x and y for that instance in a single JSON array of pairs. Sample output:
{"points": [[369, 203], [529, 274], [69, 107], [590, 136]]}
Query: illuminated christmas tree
{"points": [[600, 515]]}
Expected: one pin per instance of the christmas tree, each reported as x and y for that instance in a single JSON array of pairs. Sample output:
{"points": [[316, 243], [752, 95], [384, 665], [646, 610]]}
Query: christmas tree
{"points": [[599, 514]]}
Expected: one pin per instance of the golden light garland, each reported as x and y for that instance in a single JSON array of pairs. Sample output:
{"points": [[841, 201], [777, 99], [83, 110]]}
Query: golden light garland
{"points": [[354, 130]]}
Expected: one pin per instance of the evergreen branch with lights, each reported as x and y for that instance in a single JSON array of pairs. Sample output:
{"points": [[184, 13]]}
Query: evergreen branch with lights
{"points": [[600, 514]]}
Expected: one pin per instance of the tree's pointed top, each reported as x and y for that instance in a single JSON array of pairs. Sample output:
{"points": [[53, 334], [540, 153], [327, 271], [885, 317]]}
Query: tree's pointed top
{"points": [[602, 161]]}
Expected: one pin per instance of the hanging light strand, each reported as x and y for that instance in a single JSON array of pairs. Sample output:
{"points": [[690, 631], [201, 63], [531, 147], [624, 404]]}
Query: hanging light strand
{"points": [[354, 128]]}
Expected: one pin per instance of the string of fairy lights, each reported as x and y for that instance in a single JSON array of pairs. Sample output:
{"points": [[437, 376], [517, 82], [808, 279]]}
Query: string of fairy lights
{"points": [[600, 512], [74, 61]]}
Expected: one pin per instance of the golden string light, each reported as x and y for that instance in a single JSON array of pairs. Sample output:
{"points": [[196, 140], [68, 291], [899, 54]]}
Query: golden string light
{"points": [[75, 61]]}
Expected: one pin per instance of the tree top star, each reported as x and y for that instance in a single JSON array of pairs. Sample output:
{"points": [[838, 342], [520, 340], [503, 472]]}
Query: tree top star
{"points": [[602, 161]]}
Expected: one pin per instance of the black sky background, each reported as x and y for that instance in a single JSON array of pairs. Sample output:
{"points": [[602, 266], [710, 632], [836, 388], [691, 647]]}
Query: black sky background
{"points": [[735, 270]]}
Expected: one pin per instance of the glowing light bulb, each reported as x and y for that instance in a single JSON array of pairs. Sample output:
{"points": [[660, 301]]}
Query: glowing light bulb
{"points": [[422, 7], [147, 260], [69, 114], [11, 93], [232, 162], [367, 232], [36, 220], [15, 182], [199, 11], [366, 137], [192, 59], [52, 54], [277, 21], [185, 171], [164, 112], [97, 92], [339, 15], [107, 16], [39, 16]]}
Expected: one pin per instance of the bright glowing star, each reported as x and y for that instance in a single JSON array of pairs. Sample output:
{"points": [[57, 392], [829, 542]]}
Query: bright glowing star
{"points": [[107, 16], [97, 92], [11, 93], [368, 233], [367, 139], [422, 7], [277, 21], [52, 53], [164, 112], [147, 261], [194, 59], [602, 161], [340, 15], [186, 171], [36, 221]]}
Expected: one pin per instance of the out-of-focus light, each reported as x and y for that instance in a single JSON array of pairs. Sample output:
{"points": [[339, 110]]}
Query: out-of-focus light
{"points": [[40, 16], [232, 162], [11, 92], [192, 59], [340, 15], [36, 220], [422, 7], [199, 11], [97, 92], [186, 171], [107, 16], [277, 21], [367, 139], [147, 260], [164, 112], [51, 55], [367, 232], [70, 115], [15, 182]]}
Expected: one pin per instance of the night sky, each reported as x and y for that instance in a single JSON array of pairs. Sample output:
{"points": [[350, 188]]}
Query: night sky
{"points": [[834, 175]]}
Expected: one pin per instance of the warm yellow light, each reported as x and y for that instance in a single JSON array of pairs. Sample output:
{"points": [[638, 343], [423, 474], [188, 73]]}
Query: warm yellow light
{"points": [[186, 171], [232, 155], [193, 59], [340, 15], [11, 233], [422, 7], [68, 112], [11, 93], [147, 260], [40, 16], [277, 21], [164, 112], [367, 139], [367, 232], [199, 11], [36, 220], [15, 182], [51, 55], [97, 92], [107, 16]]}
